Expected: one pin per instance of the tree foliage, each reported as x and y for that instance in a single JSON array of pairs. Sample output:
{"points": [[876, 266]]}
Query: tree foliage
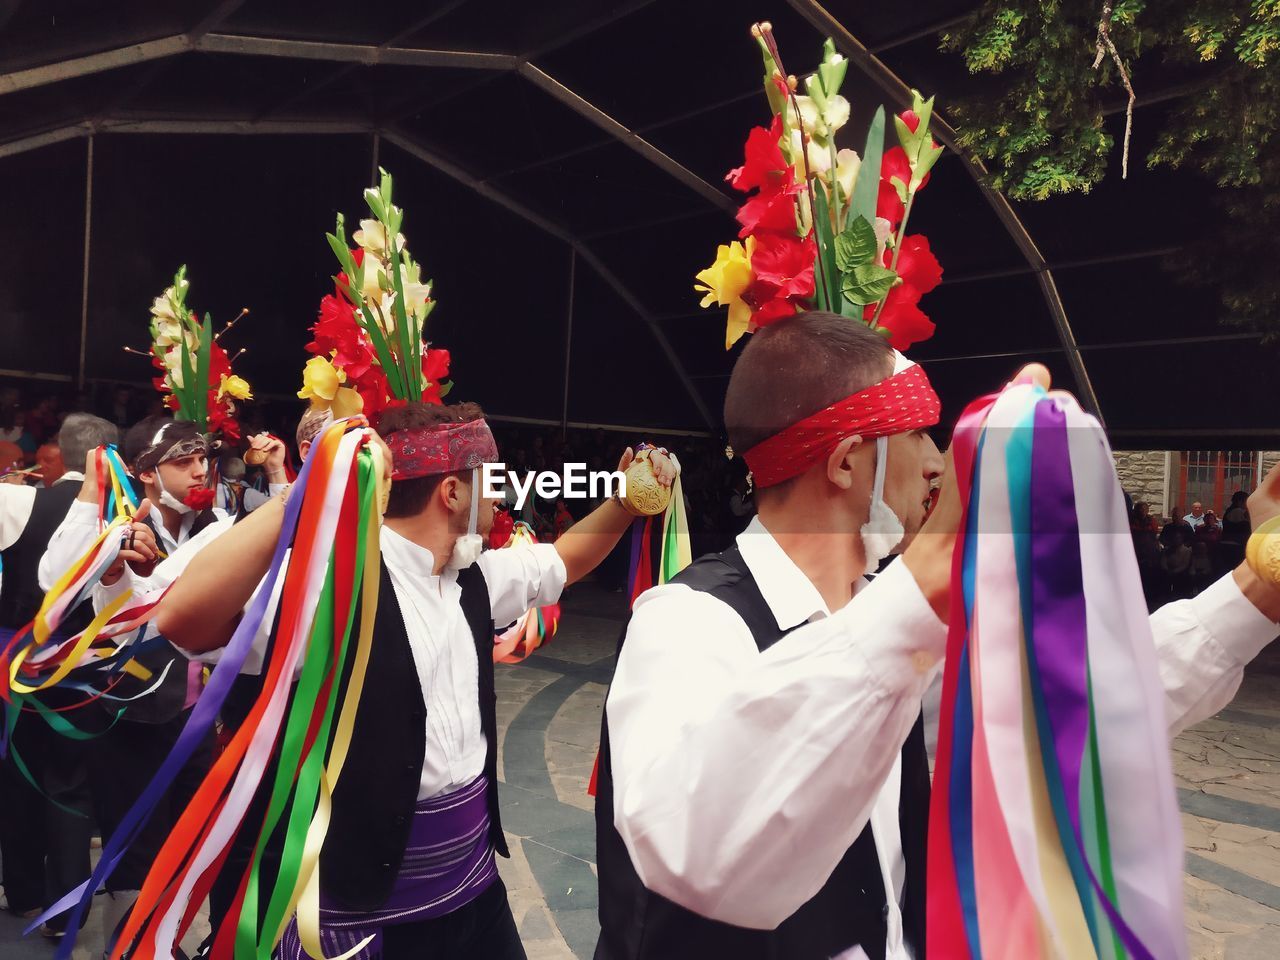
{"points": [[1040, 127]]}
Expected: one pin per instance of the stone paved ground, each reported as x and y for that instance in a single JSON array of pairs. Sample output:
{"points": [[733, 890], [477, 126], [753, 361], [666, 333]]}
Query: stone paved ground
{"points": [[1228, 771]]}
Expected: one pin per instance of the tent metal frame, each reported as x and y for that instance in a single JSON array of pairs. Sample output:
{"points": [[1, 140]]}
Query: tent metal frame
{"points": [[204, 37]]}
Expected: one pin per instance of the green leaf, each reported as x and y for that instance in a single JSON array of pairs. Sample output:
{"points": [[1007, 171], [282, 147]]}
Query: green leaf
{"points": [[200, 398], [410, 351], [850, 309], [900, 188], [825, 298], [868, 283], [856, 245], [445, 388], [867, 187], [379, 340]]}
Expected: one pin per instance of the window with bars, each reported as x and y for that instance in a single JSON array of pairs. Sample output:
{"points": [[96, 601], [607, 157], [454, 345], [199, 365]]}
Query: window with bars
{"points": [[1212, 476]]}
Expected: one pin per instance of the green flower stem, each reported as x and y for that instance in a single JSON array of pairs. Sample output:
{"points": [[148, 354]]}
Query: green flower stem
{"points": [[897, 249], [838, 206]]}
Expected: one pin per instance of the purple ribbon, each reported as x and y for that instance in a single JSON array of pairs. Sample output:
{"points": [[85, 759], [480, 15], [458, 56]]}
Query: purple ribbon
{"points": [[1060, 630]]}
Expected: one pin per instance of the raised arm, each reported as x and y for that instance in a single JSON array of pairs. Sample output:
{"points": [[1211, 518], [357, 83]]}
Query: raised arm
{"points": [[202, 608], [584, 546]]}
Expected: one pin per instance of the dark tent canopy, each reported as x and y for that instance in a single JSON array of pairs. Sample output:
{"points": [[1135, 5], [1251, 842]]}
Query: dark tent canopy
{"points": [[561, 165]]}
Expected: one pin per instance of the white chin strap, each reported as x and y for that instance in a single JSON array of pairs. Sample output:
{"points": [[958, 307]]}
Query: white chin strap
{"points": [[167, 498], [468, 547], [883, 530]]}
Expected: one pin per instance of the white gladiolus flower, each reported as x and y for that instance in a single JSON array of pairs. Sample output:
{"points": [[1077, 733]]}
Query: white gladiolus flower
{"points": [[372, 236]]}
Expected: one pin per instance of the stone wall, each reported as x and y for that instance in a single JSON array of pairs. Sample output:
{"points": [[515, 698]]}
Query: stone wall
{"points": [[1144, 475]]}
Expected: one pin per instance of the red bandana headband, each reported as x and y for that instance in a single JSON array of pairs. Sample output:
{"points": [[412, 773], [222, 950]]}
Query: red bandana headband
{"points": [[443, 448], [902, 402]]}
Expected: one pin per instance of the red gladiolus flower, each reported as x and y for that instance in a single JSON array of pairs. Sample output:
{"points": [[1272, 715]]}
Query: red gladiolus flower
{"points": [[902, 317], [910, 119], [773, 311], [783, 265], [896, 164], [765, 167], [769, 210], [888, 206], [201, 499], [435, 368], [917, 266]]}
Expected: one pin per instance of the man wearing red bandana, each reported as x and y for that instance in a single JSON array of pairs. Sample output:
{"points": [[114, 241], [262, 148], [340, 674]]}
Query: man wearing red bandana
{"points": [[763, 786], [408, 862]]}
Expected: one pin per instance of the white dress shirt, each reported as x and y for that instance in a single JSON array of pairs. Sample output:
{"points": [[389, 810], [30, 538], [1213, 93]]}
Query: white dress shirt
{"points": [[741, 777], [444, 650]]}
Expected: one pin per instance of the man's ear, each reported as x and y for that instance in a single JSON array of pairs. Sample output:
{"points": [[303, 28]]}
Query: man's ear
{"points": [[148, 476], [840, 462], [450, 493]]}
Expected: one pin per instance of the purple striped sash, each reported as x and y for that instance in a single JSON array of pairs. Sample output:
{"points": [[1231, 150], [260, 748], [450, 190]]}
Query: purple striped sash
{"points": [[448, 862]]}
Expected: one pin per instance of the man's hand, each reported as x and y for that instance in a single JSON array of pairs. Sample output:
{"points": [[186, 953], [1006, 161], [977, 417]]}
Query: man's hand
{"points": [[139, 548], [275, 451], [89, 489], [661, 463], [929, 555], [1264, 503]]}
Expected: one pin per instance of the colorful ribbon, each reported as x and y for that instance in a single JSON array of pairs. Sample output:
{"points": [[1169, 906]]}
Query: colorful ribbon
{"points": [[657, 555], [537, 626], [1051, 717]]}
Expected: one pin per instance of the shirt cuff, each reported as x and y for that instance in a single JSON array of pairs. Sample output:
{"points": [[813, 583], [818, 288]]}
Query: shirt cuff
{"points": [[1226, 614], [906, 640], [275, 489]]}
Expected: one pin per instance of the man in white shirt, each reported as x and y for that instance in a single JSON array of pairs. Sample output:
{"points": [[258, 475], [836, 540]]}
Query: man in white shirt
{"points": [[763, 779], [1196, 516], [394, 867]]}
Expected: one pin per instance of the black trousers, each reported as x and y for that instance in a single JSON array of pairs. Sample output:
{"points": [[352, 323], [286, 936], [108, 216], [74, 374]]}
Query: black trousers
{"points": [[45, 833], [482, 930]]}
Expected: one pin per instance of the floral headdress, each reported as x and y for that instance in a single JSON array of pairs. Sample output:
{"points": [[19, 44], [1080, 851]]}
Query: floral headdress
{"points": [[825, 228], [368, 342], [195, 372]]}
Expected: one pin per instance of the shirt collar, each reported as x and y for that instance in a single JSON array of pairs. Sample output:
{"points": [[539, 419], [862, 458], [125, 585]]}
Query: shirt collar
{"points": [[71, 475], [791, 596], [405, 555]]}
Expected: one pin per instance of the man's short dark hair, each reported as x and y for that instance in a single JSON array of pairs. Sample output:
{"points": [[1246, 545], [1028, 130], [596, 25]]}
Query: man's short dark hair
{"points": [[795, 368], [408, 497], [82, 432]]}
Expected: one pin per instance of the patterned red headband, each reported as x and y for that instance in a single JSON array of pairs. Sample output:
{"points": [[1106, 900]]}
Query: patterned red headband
{"points": [[442, 448], [902, 402]]}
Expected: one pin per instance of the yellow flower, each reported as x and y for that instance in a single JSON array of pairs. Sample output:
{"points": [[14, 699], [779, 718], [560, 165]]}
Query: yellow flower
{"points": [[237, 388], [346, 403], [724, 283], [320, 380], [848, 163]]}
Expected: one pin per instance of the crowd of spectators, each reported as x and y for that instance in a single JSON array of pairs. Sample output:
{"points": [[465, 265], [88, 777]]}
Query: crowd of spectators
{"points": [[1179, 555]]}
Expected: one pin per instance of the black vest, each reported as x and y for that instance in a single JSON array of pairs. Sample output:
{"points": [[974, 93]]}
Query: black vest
{"points": [[378, 790], [20, 594], [638, 924], [169, 699]]}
